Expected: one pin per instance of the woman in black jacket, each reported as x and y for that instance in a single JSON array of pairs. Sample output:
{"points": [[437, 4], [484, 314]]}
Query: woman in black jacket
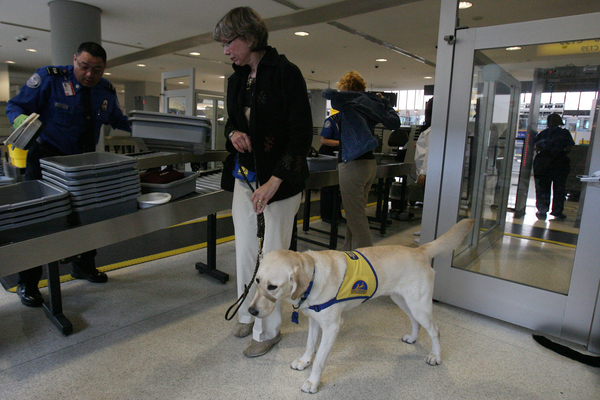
{"points": [[269, 133]]}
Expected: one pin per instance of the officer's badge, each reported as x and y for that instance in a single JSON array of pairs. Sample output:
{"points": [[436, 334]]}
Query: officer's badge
{"points": [[35, 81], [104, 105]]}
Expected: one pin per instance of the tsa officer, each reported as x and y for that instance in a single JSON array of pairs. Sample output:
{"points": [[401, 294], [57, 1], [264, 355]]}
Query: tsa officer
{"points": [[73, 102]]}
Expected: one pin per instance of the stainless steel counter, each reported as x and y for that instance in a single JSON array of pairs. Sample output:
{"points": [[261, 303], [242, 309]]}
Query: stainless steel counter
{"points": [[36, 251], [385, 175]]}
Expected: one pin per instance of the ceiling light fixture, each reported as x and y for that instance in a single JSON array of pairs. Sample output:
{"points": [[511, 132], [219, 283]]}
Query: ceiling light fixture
{"points": [[381, 60], [222, 76], [428, 77], [107, 73], [140, 65], [31, 50], [513, 48], [194, 53], [10, 62], [301, 33], [464, 4]]}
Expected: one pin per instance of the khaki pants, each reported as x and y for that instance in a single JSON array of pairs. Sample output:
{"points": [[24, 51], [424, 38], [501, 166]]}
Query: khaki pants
{"points": [[356, 178]]}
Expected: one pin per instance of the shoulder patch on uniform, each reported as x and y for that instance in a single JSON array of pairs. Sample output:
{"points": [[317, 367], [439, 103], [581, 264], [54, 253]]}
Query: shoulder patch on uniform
{"points": [[109, 86], [54, 71], [34, 81]]}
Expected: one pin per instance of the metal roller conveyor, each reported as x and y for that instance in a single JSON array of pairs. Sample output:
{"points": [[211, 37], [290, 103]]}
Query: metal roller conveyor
{"points": [[208, 181]]}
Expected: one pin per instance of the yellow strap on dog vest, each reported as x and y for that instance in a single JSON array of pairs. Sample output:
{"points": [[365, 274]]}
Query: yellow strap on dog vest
{"points": [[360, 280]]}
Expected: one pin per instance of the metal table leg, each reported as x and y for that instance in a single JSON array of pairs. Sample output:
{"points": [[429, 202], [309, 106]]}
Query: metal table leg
{"points": [[53, 309], [306, 220], [210, 268]]}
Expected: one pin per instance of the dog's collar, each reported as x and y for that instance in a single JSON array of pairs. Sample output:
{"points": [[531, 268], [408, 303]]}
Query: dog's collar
{"points": [[302, 299]]}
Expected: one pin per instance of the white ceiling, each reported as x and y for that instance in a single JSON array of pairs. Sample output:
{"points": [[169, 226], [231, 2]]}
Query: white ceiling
{"points": [[132, 30]]}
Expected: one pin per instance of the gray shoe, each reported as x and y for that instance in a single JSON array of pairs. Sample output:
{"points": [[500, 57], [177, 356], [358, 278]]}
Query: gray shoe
{"points": [[242, 330], [256, 349]]}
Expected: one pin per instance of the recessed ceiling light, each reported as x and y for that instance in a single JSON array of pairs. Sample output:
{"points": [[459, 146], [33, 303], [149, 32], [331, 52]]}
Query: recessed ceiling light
{"points": [[10, 62], [222, 76], [464, 4], [181, 83], [31, 50], [301, 33], [141, 65], [513, 48], [381, 60], [194, 53], [428, 77], [107, 73]]}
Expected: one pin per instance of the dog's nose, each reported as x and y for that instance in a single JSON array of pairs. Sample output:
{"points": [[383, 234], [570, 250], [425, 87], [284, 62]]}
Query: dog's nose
{"points": [[253, 311]]}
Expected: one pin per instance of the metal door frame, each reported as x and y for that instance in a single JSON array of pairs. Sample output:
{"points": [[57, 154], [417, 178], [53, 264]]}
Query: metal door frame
{"points": [[569, 316], [189, 93]]}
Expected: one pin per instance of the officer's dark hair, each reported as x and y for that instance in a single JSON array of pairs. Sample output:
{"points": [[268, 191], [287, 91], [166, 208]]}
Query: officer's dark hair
{"points": [[94, 49]]}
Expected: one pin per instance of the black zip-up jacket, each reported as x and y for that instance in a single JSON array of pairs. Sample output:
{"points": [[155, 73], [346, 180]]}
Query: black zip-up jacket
{"points": [[280, 123]]}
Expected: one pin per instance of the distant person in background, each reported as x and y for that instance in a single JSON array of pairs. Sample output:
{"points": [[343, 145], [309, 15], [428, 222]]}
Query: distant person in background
{"points": [[73, 102], [551, 166], [360, 112], [421, 155], [330, 145]]}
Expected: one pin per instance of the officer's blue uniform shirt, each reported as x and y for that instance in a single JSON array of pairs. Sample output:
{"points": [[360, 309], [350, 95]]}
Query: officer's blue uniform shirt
{"points": [[55, 94], [330, 128]]}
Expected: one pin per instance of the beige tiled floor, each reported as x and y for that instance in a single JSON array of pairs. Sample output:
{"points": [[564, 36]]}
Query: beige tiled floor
{"points": [[157, 331]]}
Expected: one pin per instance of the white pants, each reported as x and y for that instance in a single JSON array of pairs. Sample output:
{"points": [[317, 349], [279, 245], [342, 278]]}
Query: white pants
{"points": [[279, 224]]}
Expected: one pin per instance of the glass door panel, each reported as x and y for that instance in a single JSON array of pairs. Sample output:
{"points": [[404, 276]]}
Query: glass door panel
{"points": [[514, 244], [537, 273]]}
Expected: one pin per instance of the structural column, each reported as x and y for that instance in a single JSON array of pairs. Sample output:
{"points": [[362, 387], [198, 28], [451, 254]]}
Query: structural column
{"points": [[72, 23]]}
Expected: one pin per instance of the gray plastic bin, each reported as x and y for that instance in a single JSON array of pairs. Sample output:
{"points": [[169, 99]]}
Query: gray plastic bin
{"points": [[176, 189], [322, 163], [98, 181], [88, 162], [29, 194], [101, 211], [82, 190], [163, 131]]}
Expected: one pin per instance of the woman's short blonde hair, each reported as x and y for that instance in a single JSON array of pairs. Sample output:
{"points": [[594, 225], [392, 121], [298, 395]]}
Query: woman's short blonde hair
{"points": [[353, 82], [244, 22]]}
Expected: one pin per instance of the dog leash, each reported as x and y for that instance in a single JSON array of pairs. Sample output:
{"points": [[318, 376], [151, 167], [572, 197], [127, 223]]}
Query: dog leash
{"points": [[260, 235]]}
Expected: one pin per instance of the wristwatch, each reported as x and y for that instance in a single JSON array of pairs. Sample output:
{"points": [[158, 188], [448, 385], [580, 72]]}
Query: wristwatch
{"points": [[231, 134]]}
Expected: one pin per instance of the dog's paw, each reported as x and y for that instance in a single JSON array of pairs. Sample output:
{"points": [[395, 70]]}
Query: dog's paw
{"points": [[433, 360], [409, 339], [299, 365], [309, 387]]}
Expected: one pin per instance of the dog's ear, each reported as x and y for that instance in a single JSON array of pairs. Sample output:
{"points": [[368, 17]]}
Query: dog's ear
{"points": [[299, 277]]}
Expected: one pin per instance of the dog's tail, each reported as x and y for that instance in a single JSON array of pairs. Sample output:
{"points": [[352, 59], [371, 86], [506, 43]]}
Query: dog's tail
{"points": [[449, 240]]}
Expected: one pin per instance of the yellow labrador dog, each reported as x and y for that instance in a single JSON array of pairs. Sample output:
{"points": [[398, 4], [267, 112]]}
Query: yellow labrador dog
{"points": [[317, 283]]}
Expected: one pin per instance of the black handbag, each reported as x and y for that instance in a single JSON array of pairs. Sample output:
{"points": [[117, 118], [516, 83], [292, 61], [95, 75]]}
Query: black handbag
{"points": [[227, 179]]}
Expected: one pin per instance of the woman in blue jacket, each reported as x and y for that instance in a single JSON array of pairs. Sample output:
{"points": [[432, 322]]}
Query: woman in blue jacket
{"points": [[359, 113]]}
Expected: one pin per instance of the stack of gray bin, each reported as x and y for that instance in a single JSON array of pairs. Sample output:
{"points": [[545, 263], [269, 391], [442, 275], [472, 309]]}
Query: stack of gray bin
{"points": [[32, 207], [101, 185]]}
